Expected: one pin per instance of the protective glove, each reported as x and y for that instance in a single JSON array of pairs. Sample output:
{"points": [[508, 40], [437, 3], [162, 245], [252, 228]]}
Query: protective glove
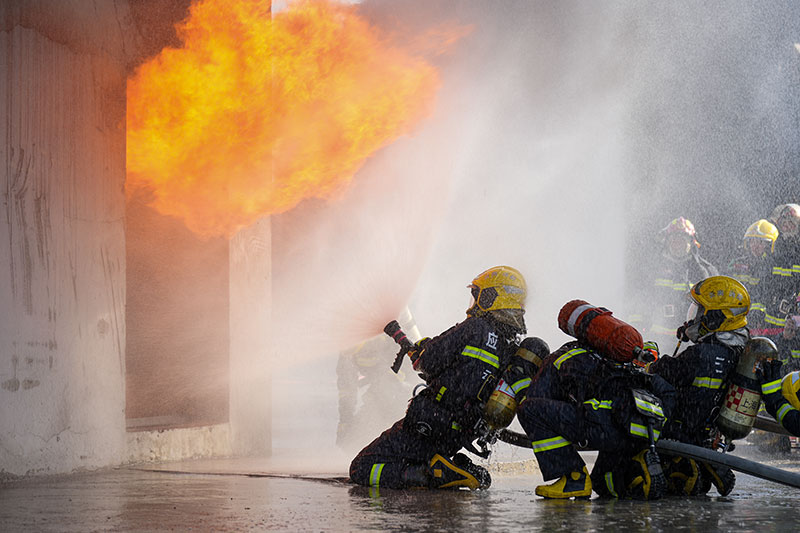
{"points": [[680, 333], [770, 371], [769, 375], [647, 354], [417, 350]]}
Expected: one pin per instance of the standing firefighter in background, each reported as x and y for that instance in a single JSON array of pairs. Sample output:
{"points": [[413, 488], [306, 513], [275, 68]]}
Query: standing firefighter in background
{"points": [[700, 374], [589, 394], [786, 260], [461, 368], [754, 269], [663, 304], [371, 396]]}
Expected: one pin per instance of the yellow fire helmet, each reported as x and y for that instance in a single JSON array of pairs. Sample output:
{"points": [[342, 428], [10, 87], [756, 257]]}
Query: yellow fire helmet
{"points": [[501, 290], [789, 387], [763, 230], [720, 302]]}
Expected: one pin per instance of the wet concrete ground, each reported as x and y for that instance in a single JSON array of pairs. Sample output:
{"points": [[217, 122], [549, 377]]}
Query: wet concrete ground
{"points": [[250, 495]]}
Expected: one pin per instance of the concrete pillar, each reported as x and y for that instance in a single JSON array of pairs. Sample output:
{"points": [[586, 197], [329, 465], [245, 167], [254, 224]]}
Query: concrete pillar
{"points": [[62, 238]]}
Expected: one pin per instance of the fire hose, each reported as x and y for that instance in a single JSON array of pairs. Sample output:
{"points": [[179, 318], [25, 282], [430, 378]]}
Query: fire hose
{"points": [[672, 447], [766, 424]]}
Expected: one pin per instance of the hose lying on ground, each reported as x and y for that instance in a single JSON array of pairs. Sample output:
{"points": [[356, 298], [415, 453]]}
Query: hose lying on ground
{"points": [[672, 447]]}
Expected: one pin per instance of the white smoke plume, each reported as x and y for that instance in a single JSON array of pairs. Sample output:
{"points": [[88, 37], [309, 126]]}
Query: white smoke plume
{"points": [[566, 134]]}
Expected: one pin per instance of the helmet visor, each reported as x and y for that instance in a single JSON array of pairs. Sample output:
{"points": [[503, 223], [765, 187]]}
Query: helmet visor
{"points": [[736, 311], [695, 312]]}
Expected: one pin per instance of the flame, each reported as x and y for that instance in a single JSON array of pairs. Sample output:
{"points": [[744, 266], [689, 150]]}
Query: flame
{"points": [[256, 112]]}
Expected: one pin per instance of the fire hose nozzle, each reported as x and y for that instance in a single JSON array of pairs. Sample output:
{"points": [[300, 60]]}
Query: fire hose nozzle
{"points": [[394, 330]]}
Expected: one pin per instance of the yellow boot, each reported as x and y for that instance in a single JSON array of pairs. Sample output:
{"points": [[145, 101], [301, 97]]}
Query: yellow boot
{"points": [[446, 475], [648, 481], [721, 477], [576, 484]]}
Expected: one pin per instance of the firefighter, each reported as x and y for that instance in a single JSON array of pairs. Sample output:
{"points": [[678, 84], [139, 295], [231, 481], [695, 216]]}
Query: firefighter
{"points": [[780, 394], [582, 398], [371, 396], [461, 368], [754, 269], [786, 260], [679, 266], [717, 325]]}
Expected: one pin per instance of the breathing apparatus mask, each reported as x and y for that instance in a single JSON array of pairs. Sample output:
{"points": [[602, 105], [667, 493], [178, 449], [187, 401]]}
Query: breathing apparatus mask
{"points": [[693, 329]]}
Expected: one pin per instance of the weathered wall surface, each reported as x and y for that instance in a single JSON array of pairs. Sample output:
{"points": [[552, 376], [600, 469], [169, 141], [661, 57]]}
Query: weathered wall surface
{"points": [[63, 70], [177, 444], [62, 238]]}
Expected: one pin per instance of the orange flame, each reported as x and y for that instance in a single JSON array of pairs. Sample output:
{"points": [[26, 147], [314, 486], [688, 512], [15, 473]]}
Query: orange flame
{"points": [[255, 113]]}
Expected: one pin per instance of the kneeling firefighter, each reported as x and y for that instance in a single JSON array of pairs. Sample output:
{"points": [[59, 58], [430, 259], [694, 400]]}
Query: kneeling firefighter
{"points": [[590, 395], [461, 368], [371, 396], [717, 321]]}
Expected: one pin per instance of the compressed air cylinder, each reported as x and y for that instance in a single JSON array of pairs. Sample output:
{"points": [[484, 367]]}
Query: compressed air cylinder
{"points": [[598, 328], [501, 407], [743, 399]]}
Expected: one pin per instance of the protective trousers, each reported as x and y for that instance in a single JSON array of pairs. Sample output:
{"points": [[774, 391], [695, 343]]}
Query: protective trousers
{"points": [[556, 428], [386, 461]]}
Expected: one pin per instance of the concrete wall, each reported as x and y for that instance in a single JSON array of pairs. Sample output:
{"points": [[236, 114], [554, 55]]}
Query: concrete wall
{"points": [[62, 235], [63, 70]]}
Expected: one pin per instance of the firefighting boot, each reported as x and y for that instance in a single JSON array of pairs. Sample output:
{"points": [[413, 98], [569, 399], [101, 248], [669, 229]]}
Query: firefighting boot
{"points": [[479, 472], [446, 475], [647, 480], [682, 476], [721, 477], [576, 484]]}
